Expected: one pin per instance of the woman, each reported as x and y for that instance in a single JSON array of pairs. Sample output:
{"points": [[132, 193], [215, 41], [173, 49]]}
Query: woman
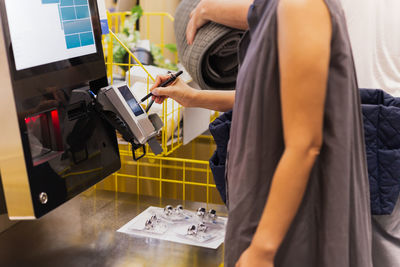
{"points": [[296, 176]]}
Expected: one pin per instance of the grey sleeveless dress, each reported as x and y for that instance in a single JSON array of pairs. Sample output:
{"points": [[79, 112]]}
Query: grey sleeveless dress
{"points": [[333, 225]]}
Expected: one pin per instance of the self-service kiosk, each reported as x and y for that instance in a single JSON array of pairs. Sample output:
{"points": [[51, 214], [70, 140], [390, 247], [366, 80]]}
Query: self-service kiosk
{"points": [[53, 143]]}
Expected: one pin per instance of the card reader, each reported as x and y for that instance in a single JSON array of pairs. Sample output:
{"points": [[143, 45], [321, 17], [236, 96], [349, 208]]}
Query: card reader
{"points": [[120, 107]]}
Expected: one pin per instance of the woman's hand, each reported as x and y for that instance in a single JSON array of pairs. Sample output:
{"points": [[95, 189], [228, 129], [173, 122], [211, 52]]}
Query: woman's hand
{"points": [[231, 13], [197, 19], [178, 91], [190, 97], [254, 256]]}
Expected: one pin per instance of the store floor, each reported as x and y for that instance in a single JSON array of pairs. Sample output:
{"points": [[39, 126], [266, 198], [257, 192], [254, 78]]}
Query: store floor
{"points": [[82, 232]]}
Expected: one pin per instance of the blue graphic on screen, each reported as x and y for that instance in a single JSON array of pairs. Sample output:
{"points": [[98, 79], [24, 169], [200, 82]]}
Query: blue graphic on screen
{"points": [[75, 21]]}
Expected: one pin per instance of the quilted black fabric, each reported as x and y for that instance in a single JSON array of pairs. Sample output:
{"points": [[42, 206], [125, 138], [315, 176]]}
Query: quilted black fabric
{"points": [[381, 114], [220, 130]]}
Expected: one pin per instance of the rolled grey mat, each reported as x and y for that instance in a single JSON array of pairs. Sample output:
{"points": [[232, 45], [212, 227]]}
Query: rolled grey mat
{"points": [[212, 58]]}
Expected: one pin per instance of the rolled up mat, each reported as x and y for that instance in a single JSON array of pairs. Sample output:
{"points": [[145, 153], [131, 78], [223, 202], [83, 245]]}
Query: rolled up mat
{"points": [[212, 59]]}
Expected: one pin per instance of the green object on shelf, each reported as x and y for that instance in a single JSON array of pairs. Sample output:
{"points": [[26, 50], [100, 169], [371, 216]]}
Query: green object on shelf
{"points": [[137, 12], [171, 47], [159, 59]]}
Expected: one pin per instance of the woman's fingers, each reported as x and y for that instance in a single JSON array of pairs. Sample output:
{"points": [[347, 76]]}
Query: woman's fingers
{"points": [[163, 91], [196, 21], [178, 91], [191, 31], [156, 82], [159, 80], [159, 99]]}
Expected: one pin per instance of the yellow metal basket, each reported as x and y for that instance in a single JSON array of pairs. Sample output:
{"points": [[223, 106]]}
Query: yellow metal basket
{"points": [[181, 172], [185, 174], [171, 114]]}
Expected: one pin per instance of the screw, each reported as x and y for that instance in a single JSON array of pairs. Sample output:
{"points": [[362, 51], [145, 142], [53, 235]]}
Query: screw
{"points": [[43, 198], [168, 210]]}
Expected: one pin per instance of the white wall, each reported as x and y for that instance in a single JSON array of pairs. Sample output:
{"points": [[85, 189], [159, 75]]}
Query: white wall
{"points": [[374, 29]]}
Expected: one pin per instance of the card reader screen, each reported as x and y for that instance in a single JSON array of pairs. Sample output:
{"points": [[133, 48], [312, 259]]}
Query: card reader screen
{"points": [[133, 104]]}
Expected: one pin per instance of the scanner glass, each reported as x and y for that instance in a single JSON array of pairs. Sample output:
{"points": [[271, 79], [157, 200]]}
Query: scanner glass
{"points": [[44, 136]]}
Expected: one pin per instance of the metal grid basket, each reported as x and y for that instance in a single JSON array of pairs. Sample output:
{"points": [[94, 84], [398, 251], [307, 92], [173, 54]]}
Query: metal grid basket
{"points": [[171, 114], [184, 175], [181, 172]]}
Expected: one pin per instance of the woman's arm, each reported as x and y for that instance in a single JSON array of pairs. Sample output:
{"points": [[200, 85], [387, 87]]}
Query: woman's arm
{"points": [[304, 35], [190, 97], [232, 13], [214, 100]]}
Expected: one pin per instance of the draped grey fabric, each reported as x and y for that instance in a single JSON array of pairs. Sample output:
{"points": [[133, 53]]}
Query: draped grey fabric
{"points": [[332, 227], [212, 59], [386, 238]]}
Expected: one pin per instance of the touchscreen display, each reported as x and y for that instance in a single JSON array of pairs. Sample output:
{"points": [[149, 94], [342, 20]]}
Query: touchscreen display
{"points": [[47, 31], [133, 104]]}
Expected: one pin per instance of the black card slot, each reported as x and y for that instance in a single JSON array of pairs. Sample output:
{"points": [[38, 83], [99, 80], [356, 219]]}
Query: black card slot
{"points": [[77, 110]]}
